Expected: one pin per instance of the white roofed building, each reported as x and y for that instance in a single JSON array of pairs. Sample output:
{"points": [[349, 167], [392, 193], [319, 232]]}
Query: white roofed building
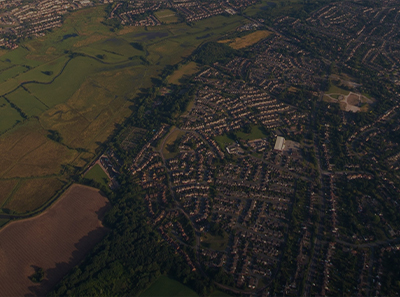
{"points": [[279, 144]]}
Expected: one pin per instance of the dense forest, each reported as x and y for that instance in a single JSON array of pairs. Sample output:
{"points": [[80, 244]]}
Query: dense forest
{"points": [[212, 52]]}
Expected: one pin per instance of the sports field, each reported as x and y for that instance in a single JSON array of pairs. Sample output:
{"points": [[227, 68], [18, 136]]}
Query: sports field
{"points": [[56, 241], [80, 81], [166, 16], [224, 140], [168, 287]]}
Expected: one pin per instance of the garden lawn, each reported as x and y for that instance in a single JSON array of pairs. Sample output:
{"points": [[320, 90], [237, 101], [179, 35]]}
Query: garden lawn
{"points": [[98, 175]]}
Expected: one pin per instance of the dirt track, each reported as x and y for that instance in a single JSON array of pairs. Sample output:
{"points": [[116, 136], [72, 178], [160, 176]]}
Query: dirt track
{"points": [[56, 240]]}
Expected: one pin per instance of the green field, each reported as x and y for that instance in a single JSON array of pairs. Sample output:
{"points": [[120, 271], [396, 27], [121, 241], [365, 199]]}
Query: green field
{"points": [[166, 16], [30, 105], [183, 71], [224, 140], [256, 133], [9, 117], [218, 243], [31, 194], [81, 80], [12, 72], [167, 287], [336, 90], [98, 175], [57, 92], [3, 222], [4, 66], [170, 140]]}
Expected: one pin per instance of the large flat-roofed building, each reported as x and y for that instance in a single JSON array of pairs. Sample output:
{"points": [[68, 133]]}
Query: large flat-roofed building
{"points": [[279, 144]]}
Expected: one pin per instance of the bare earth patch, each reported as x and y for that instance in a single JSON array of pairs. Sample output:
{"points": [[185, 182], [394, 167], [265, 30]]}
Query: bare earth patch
{"points": [[353, 99], [247, 40], [352, 102], [56, 241]]}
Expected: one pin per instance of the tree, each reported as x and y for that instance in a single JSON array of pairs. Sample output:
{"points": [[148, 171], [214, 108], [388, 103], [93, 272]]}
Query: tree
{"points": [[38, 276]]}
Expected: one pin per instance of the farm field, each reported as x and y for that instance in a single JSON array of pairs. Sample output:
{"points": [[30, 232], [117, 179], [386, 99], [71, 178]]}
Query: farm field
{"points": [[31, 105], [12, 72], [3, 222], [6, 186], [9, 116], [56, 241], [27, 197], [168, 287], [80, 81]]}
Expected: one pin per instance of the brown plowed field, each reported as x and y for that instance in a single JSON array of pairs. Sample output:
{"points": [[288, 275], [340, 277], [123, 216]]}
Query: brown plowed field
{"points": [[56, 240]]}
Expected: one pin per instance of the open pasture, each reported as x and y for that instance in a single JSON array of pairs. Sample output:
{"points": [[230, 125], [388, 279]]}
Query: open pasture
{"points": [[7, 187], [64, 86], [9, 116], [25, 198], [47, 159], [185, 70], [30, 105], [28, 152], [11, 72], [5, 65], [56, 240], [100, 52], [44, 73]]}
